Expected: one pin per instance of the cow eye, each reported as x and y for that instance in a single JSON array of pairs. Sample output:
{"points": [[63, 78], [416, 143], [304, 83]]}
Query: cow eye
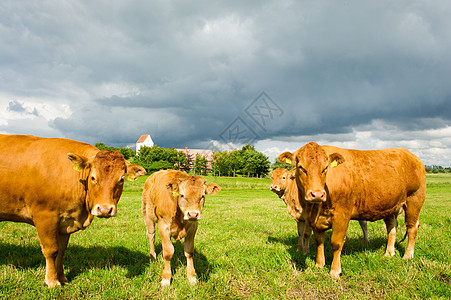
{"points": [[303, 170], [93, 179]]}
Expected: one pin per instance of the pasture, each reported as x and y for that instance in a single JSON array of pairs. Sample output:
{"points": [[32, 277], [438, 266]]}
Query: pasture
{"points": [[245, 248]]}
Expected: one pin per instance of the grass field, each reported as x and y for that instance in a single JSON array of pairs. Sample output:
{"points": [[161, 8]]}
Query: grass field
{"points": [[245, 247]]}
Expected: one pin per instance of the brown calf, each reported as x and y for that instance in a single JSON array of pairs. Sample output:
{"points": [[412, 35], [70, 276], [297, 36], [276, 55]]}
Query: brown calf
{"points": [[174, 200]]}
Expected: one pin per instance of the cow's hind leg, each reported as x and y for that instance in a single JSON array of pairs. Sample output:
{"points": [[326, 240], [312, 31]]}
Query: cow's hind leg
{"points": [[412, 212], [391, 223], [150, 233], [364, 226], [189, 252]]}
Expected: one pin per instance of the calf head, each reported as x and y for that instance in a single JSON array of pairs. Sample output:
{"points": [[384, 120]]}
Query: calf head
{"points": [[312, 164], [106, 174], [279, 181], [190, 193]]}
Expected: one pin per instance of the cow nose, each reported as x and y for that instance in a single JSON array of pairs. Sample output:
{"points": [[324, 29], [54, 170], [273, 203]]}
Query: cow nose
{"points": [[103, 211], [317, 195], [274, 187], [192, 215]]}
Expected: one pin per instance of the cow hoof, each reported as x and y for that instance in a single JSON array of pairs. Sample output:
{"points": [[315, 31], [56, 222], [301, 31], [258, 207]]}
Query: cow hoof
{"points": [[335, 275], [52, 284], [63, 280], [164, 283], [192, 280], [153, 256], [389, 254]]}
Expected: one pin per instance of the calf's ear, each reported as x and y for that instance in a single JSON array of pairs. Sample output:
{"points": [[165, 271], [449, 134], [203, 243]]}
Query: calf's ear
{"points": [[80, 162], [336, 159], [212, 189], [287, 158], [134, 171]]}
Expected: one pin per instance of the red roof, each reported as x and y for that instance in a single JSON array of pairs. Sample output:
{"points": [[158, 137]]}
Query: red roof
{"points": [[143, 138]]}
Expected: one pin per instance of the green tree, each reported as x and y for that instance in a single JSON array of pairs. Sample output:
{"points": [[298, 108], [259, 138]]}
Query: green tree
{"points": [[200, 165], [278, 164], [155, 158]]}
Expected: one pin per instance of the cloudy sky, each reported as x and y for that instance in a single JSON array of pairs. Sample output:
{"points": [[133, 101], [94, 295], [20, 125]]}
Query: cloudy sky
{"points": [[355, 74]]}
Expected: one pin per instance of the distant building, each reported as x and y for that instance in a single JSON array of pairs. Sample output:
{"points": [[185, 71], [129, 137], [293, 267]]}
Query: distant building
{"points": [[191, 156], [144, 140]]}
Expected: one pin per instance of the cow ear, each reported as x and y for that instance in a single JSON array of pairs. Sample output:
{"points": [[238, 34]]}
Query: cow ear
{"points": [[173, 188], [336, 159], [212, 189], [134, 171], [80, 162], [287, 158]]}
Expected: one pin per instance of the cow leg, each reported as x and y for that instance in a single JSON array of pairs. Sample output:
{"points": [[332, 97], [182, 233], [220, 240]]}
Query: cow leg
{"points": [[307, 234], [150, 233], [189, 252], [301, 229], [320, 258], [168, 251], [364, 226], [339, 228], [391, 223], [412, 213], [63, 240], [47, 229]]}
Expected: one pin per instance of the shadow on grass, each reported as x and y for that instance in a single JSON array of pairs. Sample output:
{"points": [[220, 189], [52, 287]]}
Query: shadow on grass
{"points": [[352, 245], [201, 264], [77, 259]]}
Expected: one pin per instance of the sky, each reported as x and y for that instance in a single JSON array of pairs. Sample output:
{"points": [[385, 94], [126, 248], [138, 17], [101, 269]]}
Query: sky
{"points": [[217, 74]]}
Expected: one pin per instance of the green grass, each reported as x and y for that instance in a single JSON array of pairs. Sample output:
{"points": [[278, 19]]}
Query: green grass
{"points": [[245, 248]]}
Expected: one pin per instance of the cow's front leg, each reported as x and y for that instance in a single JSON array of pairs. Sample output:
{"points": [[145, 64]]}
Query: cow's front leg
{"points": [[301, 229], [320, 258], [63, 240], [189, 252], [168, 251], [47, 228], [339, 228]]}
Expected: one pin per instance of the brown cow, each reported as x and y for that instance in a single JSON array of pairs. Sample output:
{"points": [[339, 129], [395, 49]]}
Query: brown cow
{"points": [[336, 185], [59, 185], [174, 200], [284, 185]]}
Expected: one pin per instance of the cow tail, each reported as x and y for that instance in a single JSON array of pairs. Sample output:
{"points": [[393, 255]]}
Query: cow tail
{"points": [[403, 237]]}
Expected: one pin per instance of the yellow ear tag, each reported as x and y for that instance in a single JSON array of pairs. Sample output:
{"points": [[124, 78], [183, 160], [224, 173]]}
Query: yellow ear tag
{"points": [[131, 177], [77, 168], [175, 194], [334, 164], [288, 161]]}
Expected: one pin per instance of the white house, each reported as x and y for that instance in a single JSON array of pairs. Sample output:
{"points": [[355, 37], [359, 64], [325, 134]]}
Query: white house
{"points": [[144, 140]]}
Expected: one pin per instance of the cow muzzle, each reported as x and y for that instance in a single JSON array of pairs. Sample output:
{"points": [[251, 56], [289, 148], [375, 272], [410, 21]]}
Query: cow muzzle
{"points": [[315, 196], [275, 188], [104, 211], [192, 215]]}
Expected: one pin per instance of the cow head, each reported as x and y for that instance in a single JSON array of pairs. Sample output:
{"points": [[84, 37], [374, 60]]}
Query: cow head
{"points": [[312, 164], [190, 193], [279, 181], [106, 174]]}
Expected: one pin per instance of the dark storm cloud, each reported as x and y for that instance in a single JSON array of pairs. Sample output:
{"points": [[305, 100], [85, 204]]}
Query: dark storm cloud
{"points": [[185, 71]]}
